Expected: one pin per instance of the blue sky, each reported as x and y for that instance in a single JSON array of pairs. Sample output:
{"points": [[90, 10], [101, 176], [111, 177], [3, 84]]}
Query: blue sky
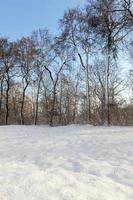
{"points": [[20, 17]]}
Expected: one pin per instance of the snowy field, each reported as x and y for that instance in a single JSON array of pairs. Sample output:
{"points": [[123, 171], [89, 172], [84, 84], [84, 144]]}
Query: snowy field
{"points": [[66, 163]]}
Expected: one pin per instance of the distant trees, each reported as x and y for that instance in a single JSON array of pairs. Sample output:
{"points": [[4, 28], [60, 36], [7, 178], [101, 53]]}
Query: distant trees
{"points": [[74, 77]]}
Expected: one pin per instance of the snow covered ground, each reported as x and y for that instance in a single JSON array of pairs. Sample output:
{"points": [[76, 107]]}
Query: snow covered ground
{"points": [[76, 162]]}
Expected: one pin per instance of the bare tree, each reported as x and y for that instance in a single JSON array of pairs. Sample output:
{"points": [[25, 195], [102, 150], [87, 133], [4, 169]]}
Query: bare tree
{"points": [[7, 63], [44, 58], [109, 25], [78, 35], [25, 52]]}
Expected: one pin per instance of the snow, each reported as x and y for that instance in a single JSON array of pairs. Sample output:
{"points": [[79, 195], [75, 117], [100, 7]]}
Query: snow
{"points": [[77, 162]]}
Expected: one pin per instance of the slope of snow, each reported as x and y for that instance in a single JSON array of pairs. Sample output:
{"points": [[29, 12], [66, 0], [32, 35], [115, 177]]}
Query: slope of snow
{"points": [[66, 163]]}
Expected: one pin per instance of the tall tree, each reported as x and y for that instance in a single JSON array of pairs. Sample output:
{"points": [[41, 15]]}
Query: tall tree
{"points": [[79, 37], [43, 59], [110, 27], [25, 53], [7, 66]]}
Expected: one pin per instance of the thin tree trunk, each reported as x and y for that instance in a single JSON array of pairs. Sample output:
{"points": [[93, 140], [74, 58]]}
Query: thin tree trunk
{"points": [[53, 107], [107, 87], [36, 106], [1, 99], [75, 103], [88, 104], [60, 105], [22, 104], [88, 95], [68, 108], [7, 101]]}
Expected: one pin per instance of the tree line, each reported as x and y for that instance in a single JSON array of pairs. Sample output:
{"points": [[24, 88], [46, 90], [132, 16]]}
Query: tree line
{"points": [[74, 77]]}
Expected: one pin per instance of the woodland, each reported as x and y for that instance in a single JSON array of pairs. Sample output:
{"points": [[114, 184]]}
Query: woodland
{"points": [[75, 76]]}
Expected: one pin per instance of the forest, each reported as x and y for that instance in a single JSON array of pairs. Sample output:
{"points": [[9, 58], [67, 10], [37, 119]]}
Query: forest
{"points": [[75, 76]]}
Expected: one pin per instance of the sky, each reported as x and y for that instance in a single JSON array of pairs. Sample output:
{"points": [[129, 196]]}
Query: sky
{"points": [[20, 17]]}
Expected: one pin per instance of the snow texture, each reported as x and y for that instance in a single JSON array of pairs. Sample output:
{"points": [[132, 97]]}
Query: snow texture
{"points": [[77, 162]]}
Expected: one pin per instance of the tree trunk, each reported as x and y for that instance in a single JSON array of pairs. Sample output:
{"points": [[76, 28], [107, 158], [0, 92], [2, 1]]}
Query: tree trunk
{"points": [[53, 107], [88, 109], [7, 101], [60, 104], [107, 87], [36, 106], [1, 99], [22, 104]]}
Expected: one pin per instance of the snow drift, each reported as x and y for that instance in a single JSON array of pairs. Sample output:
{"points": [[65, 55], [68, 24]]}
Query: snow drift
{"points": [[66, 163]]}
